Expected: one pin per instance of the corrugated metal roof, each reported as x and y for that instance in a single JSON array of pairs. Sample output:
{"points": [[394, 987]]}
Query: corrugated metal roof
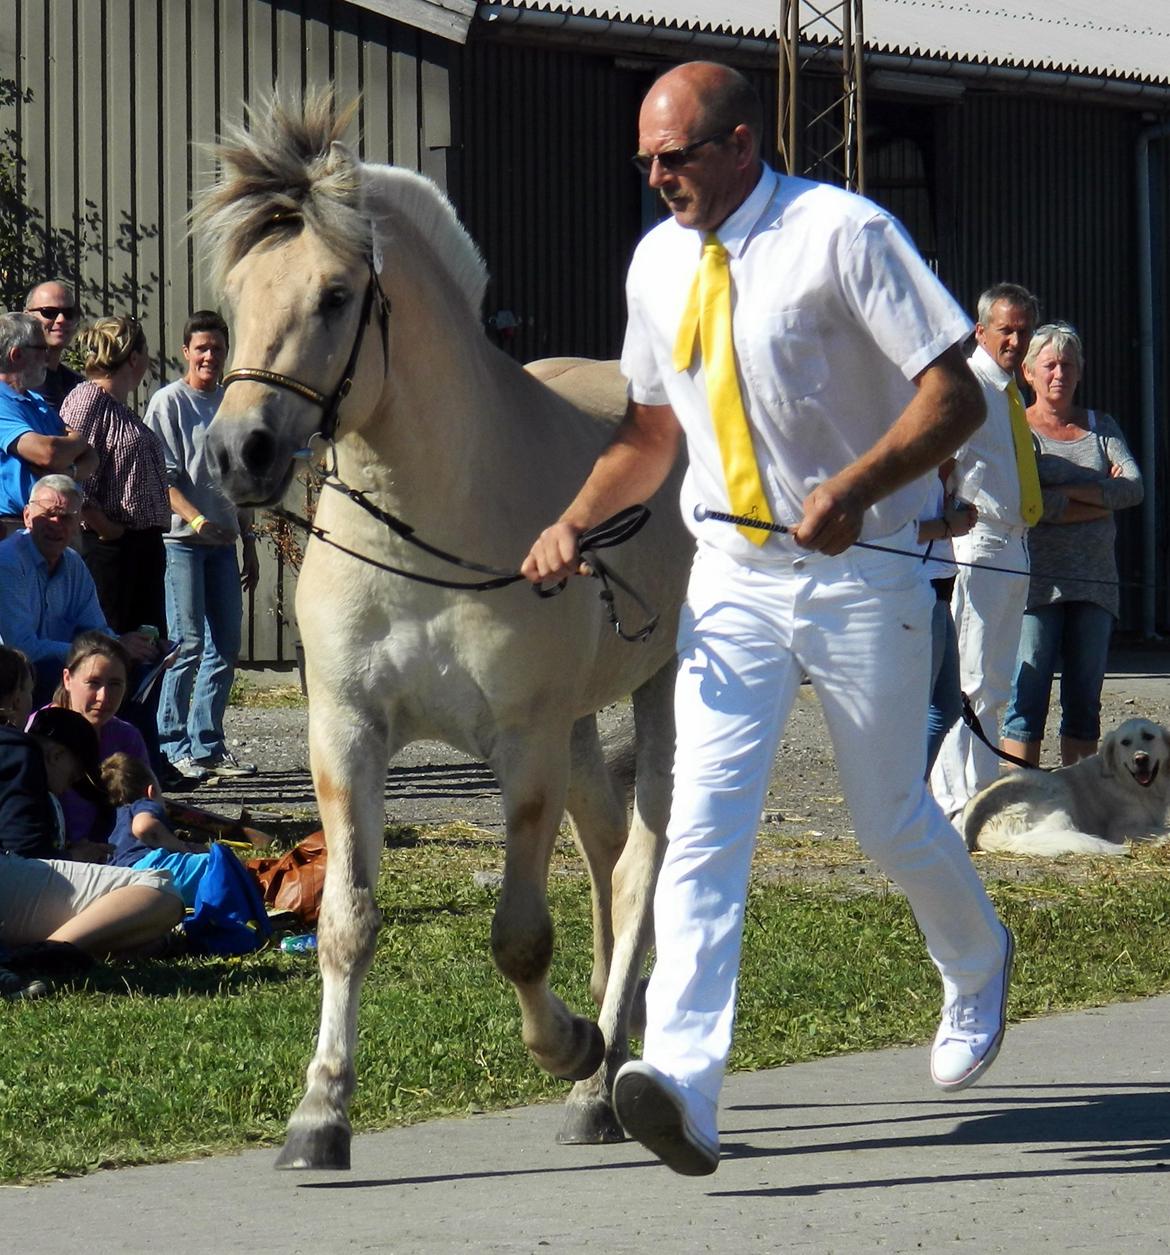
{"points": [[1121, 38]]}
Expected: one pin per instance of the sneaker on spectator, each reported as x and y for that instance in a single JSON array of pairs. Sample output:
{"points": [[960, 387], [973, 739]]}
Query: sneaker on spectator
{"points": [[225, 764], [182, 773], [972, 1029]]}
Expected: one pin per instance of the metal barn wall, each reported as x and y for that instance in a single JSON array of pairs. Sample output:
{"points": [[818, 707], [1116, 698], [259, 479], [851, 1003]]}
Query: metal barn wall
{"points": [[107, 106], [547, 190]]}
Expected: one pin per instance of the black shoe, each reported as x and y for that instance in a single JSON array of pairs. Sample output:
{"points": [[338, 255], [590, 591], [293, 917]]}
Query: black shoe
{"points": [[14, 987]]}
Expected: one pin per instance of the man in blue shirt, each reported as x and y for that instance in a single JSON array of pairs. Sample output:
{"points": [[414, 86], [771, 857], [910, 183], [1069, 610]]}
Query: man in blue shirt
{"points": [[49, 594], [33, 439]]}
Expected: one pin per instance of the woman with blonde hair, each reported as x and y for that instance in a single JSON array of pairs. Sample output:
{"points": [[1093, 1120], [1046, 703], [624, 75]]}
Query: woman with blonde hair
{"points": [[1087, 473], [126, 508]]}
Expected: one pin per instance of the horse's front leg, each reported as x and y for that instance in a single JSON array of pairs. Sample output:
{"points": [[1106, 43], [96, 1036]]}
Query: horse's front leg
{"points": [[533, 778], [631, 861], [349, 750]]}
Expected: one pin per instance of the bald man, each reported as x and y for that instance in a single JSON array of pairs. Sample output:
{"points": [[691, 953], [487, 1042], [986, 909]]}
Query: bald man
{"points": [[852, 389]]}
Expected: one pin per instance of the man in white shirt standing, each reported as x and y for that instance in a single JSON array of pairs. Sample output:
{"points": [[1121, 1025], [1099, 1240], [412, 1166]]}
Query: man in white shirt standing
{"points": [[988, 606], [793, 336]]}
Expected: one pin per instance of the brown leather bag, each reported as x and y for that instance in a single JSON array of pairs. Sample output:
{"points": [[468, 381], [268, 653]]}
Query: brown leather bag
{"points": [[294, 881]]}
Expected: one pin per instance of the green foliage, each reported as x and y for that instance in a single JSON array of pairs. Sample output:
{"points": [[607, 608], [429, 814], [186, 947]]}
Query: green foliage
{"points": [[151, 1061], [33, 249]]}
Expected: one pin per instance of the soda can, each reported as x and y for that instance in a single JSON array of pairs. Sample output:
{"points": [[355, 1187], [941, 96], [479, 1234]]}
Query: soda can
{"points": [[306, 943]]}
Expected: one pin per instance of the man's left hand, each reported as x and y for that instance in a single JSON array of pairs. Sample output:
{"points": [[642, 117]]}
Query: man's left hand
{"points": [[832, 519], [140, 648]]}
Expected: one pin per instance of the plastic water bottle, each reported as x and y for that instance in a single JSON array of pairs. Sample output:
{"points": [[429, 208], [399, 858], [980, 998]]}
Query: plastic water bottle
{"points": [[966, 489], [305, 943]]}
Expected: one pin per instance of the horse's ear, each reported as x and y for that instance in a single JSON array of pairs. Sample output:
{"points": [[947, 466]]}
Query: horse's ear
{"points": [[340, 159]]}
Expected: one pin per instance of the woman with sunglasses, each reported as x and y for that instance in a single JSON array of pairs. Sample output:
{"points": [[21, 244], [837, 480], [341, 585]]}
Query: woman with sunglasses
{"points": [[126, 508], [54, 305]]}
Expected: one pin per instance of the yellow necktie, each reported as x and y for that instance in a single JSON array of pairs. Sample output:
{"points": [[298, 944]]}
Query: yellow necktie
{"points": [[1031, 498], [708, 311]]}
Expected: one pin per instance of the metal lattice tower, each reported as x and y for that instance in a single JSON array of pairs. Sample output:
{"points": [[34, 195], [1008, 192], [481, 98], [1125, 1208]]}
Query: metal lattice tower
{"points": [[826, 142]]}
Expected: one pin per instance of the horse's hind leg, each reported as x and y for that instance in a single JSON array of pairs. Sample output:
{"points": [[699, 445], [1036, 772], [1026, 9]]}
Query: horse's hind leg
{"points": [[532, 769], [589, 1117], [349, 756]]}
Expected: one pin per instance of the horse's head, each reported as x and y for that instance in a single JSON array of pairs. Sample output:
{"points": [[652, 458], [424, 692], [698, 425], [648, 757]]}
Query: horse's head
{"points": [[310, 343], [295, 230]]}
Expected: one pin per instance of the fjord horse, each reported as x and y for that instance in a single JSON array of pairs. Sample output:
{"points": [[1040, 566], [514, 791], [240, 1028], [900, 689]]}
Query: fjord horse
{"points": [[355, 297]]}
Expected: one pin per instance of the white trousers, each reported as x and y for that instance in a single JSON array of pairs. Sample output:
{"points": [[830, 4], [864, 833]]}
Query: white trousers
{"points": [[859, 626], [988, 608]]}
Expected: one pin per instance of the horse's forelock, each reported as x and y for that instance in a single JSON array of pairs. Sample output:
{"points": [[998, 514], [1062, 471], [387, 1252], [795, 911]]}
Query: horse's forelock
{"points": [[285, 163], [290, 164]]}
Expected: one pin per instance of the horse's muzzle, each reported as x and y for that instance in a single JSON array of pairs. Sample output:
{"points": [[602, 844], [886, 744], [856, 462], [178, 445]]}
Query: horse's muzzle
{"points": [[252, 465]]}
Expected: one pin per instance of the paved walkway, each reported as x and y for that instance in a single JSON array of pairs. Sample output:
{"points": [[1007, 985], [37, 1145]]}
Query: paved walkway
{"points": [[1065, 1147]]}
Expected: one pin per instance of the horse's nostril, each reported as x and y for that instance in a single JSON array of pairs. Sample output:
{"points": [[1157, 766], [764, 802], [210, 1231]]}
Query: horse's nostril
{"points": [[258, 451], [222, 461]]}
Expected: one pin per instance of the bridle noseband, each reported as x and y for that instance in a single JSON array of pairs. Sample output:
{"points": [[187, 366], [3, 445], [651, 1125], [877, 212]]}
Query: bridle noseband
{"points": [[330, 405]]}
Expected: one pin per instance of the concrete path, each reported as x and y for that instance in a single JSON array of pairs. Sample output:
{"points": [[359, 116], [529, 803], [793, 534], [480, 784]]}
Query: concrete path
{"points": [[1064, 1147]]}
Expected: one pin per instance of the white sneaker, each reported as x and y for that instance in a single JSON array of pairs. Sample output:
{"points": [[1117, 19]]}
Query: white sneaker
{"points": [[225, 764], [189, 770], [972, 1028], [652, 1109]]}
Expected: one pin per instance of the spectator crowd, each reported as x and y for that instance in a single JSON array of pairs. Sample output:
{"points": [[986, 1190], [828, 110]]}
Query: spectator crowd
{"points": [[122, 573]]}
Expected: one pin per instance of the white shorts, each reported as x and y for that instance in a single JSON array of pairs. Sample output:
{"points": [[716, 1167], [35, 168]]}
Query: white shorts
{"points": [[38, 895]]}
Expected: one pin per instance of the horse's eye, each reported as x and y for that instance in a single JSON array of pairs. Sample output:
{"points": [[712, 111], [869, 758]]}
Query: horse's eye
{"points": [[1127, 742], [333, 299]]}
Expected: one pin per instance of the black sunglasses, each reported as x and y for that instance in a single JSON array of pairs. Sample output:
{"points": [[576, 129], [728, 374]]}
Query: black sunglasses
{"points": [[50, 313], [675, 158]]}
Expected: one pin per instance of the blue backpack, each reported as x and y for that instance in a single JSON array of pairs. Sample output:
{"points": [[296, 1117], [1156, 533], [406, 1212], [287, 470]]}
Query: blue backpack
{"points": [[229, 916]]}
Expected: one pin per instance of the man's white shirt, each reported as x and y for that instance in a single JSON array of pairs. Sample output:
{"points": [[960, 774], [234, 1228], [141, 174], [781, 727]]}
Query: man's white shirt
{"points": [[998, 496], [834, 313]]}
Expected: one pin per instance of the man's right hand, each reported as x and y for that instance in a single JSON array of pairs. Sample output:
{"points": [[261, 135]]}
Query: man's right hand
{"points": [[554, 556]]}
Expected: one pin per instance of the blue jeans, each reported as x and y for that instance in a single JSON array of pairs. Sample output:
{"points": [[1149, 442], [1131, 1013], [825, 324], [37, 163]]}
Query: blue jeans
{"points": [[1075, 633], [946, 695], [204, 609]]}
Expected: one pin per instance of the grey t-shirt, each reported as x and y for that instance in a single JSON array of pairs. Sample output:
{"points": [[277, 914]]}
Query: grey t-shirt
{"points": [[1059, 549], [180, 416]]}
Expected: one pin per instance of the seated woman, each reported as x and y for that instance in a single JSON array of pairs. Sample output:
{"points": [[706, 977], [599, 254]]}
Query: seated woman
{"points": [[83, 910], [93, 684]]}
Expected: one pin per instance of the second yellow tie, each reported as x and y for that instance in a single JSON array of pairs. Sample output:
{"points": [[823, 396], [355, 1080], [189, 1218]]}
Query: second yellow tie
{"points": [[708, 312], [1031, 498]]}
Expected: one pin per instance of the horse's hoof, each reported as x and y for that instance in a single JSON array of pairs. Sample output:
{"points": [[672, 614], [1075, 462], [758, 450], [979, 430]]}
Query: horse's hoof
{"points": [[590, 1124], [589, 1055], [324, 1147]]}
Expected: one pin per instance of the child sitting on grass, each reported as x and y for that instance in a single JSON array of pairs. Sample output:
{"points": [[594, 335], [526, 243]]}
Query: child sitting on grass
{"points": [[141, 837]]}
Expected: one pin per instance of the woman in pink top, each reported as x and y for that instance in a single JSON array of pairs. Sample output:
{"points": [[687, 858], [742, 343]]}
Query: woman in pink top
{"points": [[126, 506]]}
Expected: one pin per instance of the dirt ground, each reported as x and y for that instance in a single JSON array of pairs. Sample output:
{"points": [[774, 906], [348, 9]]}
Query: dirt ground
{"points": [[806, 829]]}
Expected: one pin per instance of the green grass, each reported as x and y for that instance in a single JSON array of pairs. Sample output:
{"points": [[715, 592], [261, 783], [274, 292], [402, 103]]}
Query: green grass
{"points": [[153, 1061], [247, 693]]}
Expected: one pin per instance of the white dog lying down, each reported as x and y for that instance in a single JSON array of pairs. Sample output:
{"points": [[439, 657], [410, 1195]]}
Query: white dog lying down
{"points": [[1091, 807]]}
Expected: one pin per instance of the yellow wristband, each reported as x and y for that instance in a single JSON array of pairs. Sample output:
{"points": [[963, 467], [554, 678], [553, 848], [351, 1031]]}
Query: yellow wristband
{"points": [[197, 523]]}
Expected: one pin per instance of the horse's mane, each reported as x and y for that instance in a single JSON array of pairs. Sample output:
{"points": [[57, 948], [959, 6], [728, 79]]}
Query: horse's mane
{"points": [[290, 164]]}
